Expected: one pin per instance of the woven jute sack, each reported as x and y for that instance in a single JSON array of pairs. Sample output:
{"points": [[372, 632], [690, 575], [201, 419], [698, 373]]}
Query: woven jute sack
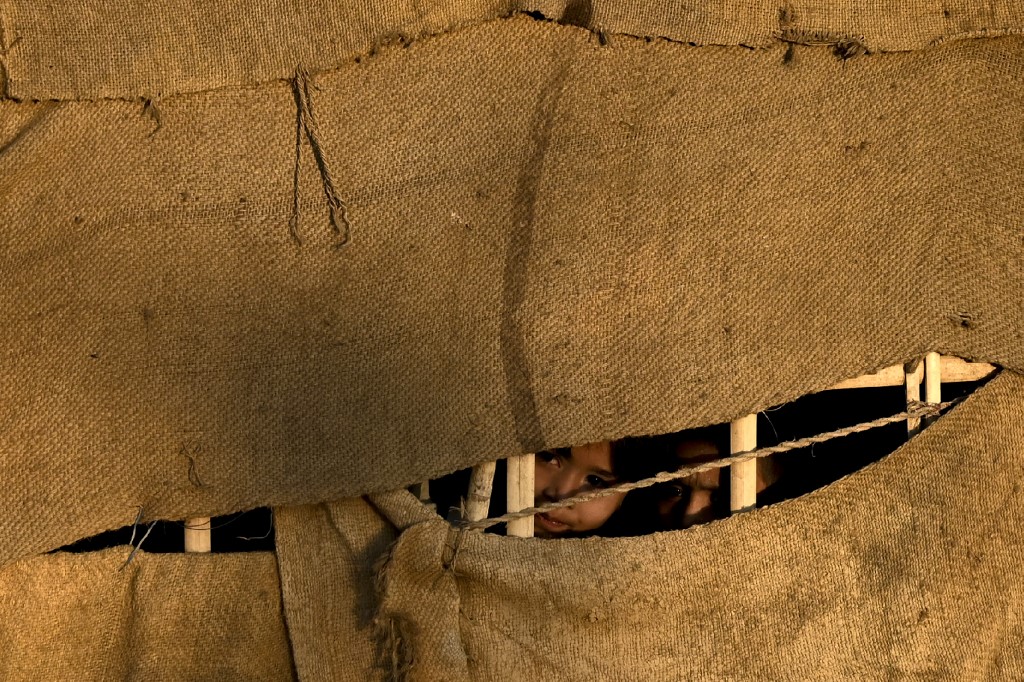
{"points": [[552, 241], [908, 568], [123, 615], [329, 556]]}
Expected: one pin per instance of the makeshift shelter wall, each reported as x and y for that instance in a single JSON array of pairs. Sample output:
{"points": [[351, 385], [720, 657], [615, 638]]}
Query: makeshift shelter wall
{"points": [[91, 48], [908, 569], [328, 556], [160, 617], [553, 241]]}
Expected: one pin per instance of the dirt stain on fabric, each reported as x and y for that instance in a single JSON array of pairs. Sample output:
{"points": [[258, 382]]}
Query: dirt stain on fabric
{"points": [[787, 57], [578, 13]]}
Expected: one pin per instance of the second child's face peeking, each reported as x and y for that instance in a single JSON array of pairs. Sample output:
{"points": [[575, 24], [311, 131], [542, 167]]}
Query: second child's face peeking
{"points": [[690, 500], [565, 472]]}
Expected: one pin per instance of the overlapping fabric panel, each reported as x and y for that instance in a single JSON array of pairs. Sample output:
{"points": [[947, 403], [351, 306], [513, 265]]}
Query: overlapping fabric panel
{"points": [[552, 242], [329, 556], [91, 48], [161, 617], [910, 568]]}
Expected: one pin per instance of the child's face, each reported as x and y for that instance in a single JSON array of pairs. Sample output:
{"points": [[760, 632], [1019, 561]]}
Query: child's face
{"points": [[689, 500], [559, 474]]}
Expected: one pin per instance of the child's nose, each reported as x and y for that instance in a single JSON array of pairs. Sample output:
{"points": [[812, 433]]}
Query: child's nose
{"points": [[562, 486]]}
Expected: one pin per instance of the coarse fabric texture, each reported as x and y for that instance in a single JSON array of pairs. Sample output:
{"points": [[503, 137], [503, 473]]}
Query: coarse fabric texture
{"points": [[908, 569], [161, 617], [94, 48], [553, 242], [328, 556]]}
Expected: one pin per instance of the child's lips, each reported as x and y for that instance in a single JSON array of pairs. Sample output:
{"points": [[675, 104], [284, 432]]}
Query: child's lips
{"points": [[550, 524]]}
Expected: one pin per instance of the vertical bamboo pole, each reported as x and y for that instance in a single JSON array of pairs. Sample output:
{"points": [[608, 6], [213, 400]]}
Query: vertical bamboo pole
{"points": [[743, 476], [197, 534], [422, 491], [478, 497], [912, 383], [932, 380], [519, 483]]}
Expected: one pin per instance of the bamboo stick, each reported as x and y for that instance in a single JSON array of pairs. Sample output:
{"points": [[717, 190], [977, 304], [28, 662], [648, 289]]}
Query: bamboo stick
{"points": [[519, 484], [888, 376], [953, 369], [743, 476], [932, 381], [912, 383], [478, 497], [197, 534], [932, 378], [422, 492]]}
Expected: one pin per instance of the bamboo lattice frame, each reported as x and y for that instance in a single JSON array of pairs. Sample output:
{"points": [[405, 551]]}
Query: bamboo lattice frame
{"points": [[932, 372]]}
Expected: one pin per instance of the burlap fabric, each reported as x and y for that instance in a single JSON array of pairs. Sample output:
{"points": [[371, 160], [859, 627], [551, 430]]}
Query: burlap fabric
{"points": [[161, 617], [93, 48], [329, 556], [553, 241], [908, 569]]}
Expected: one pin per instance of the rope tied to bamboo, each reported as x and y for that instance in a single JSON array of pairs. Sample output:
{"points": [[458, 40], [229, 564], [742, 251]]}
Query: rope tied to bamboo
{"points": [[915, 409]]}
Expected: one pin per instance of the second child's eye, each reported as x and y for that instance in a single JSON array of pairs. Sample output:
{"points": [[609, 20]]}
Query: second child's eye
{"points": [[595, 481]]}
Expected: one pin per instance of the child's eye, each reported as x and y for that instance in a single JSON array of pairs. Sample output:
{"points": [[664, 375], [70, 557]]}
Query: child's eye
{"points": [[673, 490], [678, 489], [595, 481], [547, 456]]}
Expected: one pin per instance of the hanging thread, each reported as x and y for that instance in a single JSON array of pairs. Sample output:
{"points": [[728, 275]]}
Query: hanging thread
{"points": [[306, 122]]}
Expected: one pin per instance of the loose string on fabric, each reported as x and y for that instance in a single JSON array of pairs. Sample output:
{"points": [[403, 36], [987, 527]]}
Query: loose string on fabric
{"points": [[914, 409], [307, 122]]}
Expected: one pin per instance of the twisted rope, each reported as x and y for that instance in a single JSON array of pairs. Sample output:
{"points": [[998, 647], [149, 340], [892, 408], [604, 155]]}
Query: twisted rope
{"points": [[914, 409]]}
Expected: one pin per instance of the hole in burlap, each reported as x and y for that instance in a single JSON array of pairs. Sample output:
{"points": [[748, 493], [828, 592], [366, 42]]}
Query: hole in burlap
{"points": [[248, 531], [790, 474]]}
